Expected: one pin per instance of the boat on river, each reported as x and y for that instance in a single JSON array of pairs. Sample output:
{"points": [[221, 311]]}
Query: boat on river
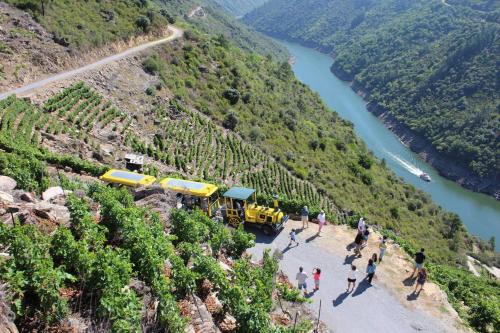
{"points": [[425, 176]]}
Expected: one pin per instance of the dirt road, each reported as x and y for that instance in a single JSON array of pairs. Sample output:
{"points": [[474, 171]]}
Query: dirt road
{"points": [[175, 33], [386, 306]]}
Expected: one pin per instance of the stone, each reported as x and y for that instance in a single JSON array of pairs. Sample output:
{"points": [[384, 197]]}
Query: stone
{"points": [[139, 287], [7, 183], [52, 192], [56, 213], [74, 325], [28, 197], [6, 198], [225, 267]]}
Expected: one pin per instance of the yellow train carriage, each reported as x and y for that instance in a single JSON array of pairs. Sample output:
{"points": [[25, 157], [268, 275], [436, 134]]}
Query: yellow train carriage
{"points": [[128, 178], [194, 194]]}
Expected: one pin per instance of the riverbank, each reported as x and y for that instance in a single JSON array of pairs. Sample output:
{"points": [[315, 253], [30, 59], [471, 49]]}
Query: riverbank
{"points": [[445, 166]]}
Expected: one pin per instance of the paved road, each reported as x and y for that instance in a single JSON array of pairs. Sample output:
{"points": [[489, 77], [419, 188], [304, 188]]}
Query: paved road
{"points": [[175, 34], [368, 309]]}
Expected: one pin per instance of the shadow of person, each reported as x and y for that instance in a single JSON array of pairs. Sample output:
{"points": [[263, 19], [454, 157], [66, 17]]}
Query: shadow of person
{"points": [[409, 281], [288, 248], [362, 286], [312, 292], [340, 298], [349, 259], [310, 239], [413, 296], [299, 230]]}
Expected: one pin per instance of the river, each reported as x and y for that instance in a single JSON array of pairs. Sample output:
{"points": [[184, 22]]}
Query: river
{"points": [[479, 212]]}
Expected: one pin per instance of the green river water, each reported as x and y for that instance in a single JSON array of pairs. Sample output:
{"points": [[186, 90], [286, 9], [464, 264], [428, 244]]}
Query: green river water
{"points": [[480, 213]]}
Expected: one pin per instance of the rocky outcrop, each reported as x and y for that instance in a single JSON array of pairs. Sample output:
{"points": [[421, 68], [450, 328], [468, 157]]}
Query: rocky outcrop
{"points": [[25, 207]]}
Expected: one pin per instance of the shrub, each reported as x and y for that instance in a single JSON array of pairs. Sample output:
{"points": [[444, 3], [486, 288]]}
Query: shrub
{"points": [[230, 121], [232, 95], [152, 65], [365, 161], [240, 241], [144, 23]]}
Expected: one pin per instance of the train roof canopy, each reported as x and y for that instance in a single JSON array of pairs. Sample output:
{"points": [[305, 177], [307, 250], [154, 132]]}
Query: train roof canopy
{"points": [[128, 178], [239, 193], [188, 187]]}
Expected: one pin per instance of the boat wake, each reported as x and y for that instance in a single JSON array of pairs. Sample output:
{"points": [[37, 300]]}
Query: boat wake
{"points": [[407, 165]]}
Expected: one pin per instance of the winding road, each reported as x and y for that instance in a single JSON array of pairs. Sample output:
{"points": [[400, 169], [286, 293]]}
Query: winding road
{"points": [[175, 33]]}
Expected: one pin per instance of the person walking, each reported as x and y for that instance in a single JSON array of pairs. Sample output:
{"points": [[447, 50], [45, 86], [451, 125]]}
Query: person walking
{"points": [[301, 278], [382, 247], [419, 262], [351, 278], [421, 279], [316, 277], [374, 257], [358, 241], [304, 213], [293, 238], [321, 221], [366, 234], [370, 270]]}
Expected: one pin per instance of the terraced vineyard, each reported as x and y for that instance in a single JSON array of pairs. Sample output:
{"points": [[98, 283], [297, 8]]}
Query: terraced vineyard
{"points": [[183, 141]]}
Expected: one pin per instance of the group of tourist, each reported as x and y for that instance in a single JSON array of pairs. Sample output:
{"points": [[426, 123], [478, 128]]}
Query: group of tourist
{"points": [[360, 242]]}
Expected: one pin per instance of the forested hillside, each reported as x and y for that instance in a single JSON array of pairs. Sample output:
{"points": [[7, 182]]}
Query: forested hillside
{"points": [[432, 65], [239, 7]]}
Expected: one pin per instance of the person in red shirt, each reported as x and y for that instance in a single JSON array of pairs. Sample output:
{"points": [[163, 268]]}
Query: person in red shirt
{"points": [[316, 276]]}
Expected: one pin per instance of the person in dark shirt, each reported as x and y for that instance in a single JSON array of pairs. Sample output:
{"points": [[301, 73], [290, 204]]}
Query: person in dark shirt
{"points": [[358, 241], [419, 262]]}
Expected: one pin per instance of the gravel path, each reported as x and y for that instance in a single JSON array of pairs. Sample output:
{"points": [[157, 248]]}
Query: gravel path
{"points": [[175, 34], [367, 309]]}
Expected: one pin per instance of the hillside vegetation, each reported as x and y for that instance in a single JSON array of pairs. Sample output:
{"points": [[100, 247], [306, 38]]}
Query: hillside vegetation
{"points": [[97, 22], [264, 103], [216, 21], [432, 66], [239, 7]]}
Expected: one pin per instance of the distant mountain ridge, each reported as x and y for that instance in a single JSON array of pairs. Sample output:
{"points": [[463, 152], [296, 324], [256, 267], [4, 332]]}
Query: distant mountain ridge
{"points": [[432, 66]]}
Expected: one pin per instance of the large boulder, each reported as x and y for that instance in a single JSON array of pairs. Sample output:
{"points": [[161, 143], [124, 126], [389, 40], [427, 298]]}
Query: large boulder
{"points": [[6, 198], [7, 183], [52, 192]]}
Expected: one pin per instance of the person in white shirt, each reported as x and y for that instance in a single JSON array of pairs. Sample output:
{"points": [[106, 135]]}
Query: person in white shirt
{"points": [[321, 221], [361, 226], [351, 278], [301, 278]]}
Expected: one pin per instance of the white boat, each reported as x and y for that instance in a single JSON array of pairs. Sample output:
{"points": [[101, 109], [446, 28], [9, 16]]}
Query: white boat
{"points": [[425, 176]]}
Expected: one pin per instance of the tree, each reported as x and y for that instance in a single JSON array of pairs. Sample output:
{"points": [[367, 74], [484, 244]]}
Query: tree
{"points": [[143, 22], [232, 95], [230, 121]]}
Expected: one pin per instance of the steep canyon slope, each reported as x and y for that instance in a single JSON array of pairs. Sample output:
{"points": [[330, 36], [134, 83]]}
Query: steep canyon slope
{"points": [[430, 67]]}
